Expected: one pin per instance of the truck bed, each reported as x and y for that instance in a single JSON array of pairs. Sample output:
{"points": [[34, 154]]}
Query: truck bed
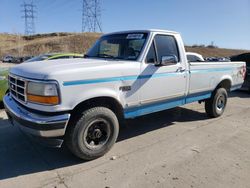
{"points": [[205, 76]]}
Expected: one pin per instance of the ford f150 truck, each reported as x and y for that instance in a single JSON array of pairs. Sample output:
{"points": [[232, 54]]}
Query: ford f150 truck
{"points": [[124, 75]]}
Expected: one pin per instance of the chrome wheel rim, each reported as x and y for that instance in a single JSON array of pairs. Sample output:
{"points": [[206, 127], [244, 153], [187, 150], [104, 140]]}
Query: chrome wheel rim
{"points": [[220, 103]]}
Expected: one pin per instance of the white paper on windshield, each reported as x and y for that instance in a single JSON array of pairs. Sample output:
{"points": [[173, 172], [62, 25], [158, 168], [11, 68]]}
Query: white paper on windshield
{"points": [[135, 36]]}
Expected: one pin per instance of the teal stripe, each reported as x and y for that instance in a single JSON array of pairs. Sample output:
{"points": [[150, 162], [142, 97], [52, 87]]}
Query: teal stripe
{"points": [[200, 71], [123, 78], [140, 111], [101, 80], [135, 77], [197, 98], [164, 105]]}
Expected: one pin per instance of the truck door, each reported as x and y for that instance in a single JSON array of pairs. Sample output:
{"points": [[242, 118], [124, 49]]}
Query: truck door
{"points": [[162, 86]]}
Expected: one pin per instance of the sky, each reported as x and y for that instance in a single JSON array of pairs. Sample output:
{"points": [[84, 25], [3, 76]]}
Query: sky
{"points": [[224, 22]]}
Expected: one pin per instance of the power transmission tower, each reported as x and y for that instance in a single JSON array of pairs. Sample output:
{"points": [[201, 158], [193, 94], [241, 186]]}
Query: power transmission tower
{"points": [[29, 17], [91, 16]]}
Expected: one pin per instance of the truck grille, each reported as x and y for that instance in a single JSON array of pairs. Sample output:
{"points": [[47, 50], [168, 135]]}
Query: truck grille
{"points": [[17, 87]]}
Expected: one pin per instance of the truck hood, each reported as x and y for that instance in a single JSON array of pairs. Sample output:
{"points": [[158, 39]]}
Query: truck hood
{"points": [[49, 69]]}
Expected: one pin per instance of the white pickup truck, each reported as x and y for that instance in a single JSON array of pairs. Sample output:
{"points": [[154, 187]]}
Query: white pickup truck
{"points": [[124, 75]]}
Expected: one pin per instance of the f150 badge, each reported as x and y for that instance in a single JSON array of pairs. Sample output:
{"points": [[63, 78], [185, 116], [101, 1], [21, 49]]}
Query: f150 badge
{"points": [[125, 88]]}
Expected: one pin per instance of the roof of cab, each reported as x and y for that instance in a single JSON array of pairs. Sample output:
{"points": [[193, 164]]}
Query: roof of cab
{"points": [[143, 31]]}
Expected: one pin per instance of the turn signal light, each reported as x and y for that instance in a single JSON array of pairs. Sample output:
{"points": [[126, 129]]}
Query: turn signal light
{"points": [[49, 100]]}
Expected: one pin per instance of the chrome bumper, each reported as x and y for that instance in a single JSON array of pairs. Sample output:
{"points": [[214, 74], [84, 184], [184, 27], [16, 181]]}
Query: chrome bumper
{"points": [[35, 124]]}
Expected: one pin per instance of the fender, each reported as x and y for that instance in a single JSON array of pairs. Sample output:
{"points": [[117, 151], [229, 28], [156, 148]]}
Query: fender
{"points": [[98, 92], [224, 78]]}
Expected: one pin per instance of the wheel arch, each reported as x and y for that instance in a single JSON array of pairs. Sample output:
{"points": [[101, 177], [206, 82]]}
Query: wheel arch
{"points": [[104, 101], [225, 83]]}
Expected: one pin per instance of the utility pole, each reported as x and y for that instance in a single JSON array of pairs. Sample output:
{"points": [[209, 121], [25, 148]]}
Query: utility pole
{"points": [[29, 17], [91, 16]]}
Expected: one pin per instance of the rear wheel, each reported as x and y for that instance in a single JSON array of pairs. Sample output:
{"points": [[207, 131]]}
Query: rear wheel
{"points": [[93, 134], [215, 106]]}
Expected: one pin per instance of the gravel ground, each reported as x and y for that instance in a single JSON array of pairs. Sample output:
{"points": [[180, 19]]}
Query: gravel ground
{"points": [[180, 147]]}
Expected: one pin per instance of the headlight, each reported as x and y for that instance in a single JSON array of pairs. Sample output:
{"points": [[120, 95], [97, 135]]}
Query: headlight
{"points": [[43, 93]]}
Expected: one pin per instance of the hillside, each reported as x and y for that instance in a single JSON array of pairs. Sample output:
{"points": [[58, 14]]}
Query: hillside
{"points": [[53, 42], [75, 42], [215, 52]]}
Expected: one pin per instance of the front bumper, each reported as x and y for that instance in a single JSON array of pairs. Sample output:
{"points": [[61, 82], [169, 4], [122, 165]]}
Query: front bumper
{"points": [[35, 124]]}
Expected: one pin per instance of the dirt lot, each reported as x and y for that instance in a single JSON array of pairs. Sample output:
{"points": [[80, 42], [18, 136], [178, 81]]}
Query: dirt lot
{"points": [[180, 147], [6, 65]]}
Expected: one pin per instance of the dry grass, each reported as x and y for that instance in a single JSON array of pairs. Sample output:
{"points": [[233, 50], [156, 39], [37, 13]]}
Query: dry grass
{"points": [[74, 42], [215, 52], [68, 42]]}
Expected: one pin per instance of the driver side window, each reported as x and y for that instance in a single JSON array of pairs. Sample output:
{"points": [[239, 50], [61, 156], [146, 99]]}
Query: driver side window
{"points": [[166, 45], [163, 45]]}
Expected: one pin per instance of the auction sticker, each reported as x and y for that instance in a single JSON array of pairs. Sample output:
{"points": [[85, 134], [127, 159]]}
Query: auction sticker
{"points": [[135, 36]]}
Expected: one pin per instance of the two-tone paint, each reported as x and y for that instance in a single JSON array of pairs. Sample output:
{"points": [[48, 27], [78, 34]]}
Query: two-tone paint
{"points": [[140, 88], [88, 78]]}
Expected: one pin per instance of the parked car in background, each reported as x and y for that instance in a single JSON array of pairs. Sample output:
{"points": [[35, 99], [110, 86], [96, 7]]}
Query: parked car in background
{"points": [[194, 57], [8, 59], [217, 59], [246, 58], [18, 59], [24, 58], [52, 56]]}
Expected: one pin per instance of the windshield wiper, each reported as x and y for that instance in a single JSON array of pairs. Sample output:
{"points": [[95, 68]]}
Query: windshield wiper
{"points": [[106, 55], [101, 56]]}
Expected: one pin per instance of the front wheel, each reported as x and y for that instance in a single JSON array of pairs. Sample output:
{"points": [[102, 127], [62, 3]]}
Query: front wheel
{"points": [[93, 134], [215, 106]]}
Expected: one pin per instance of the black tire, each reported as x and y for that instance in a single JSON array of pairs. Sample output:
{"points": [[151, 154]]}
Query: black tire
{"points": [[93, 134], [215, 106]]}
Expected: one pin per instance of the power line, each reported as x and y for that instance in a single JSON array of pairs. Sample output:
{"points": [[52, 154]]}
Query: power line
{"points": [[29, 17], [91, 16]]}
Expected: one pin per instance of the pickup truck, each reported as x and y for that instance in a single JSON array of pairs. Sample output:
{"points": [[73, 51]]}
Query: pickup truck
{"points": [[124, 75]]}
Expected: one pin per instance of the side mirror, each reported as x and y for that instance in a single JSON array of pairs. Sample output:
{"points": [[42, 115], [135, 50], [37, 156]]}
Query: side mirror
{"points": [[168, 60]]}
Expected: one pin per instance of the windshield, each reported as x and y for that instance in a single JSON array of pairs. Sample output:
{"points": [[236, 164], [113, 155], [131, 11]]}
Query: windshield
{"points": [[39, 58], [119, 46]]}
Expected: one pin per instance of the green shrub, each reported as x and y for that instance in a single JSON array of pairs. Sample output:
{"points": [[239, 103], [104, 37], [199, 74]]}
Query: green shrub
{"points": [[3, 83]]}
